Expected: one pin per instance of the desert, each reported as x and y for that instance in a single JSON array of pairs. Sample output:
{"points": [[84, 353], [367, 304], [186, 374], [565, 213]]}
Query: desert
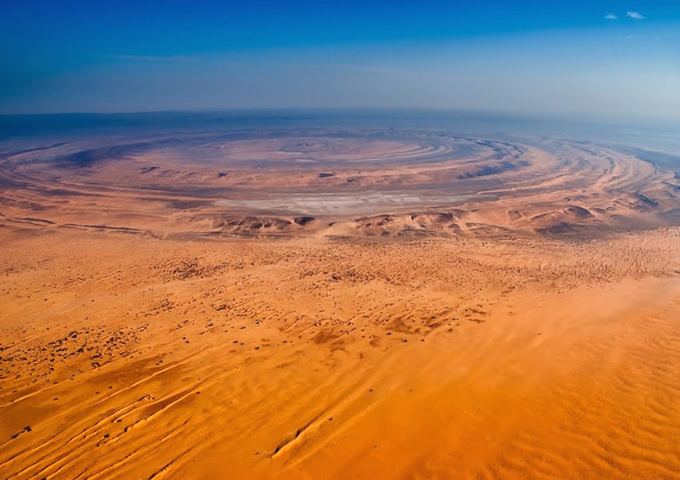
{"points": [[337, 301]]}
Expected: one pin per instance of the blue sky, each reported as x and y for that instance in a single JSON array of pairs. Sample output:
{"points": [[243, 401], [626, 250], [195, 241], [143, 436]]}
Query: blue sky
{"points": [[591, 57]]}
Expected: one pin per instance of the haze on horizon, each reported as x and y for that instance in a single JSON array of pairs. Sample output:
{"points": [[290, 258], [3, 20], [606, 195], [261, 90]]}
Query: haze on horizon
{"points": [[587, 57]]}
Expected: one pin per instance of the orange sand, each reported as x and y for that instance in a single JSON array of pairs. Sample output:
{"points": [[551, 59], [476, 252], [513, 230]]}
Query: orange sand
{"points": [[131, 357], [157, 322]]}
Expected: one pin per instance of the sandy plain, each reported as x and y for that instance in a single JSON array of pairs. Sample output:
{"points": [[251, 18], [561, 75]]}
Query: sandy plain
{"points": [[338, 304]]}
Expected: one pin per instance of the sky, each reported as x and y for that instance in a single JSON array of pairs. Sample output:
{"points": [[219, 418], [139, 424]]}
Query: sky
{"points": [[590, 57]]}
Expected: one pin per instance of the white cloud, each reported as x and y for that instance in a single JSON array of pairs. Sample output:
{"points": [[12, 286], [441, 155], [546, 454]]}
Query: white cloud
{"points": [[611, 16], [635, 15]]}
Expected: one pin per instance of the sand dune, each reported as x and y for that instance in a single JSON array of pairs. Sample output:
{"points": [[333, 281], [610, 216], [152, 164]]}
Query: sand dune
{"points": [[353, 184], [516, 319]]}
